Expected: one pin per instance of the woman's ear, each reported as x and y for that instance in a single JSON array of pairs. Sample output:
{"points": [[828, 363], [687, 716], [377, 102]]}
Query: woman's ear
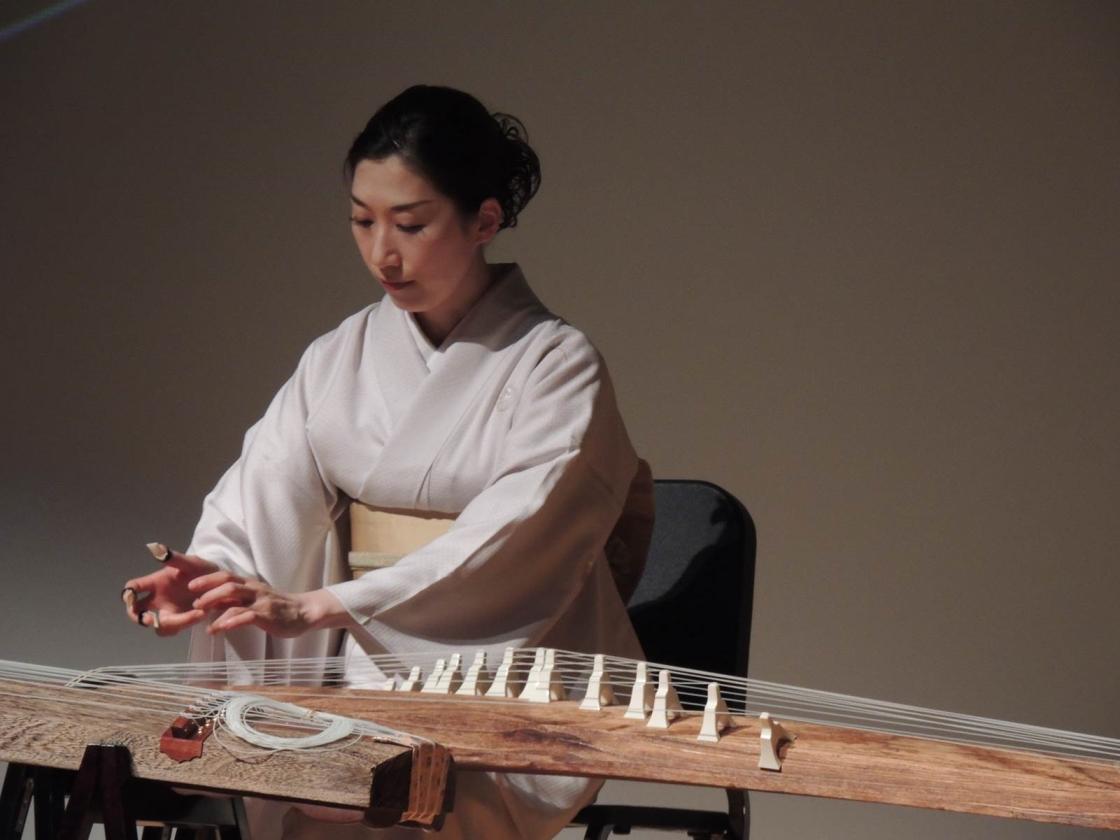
{"points": [[489, 221]]}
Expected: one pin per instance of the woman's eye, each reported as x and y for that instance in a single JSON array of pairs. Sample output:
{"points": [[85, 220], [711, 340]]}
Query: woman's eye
{"points": [[410, 228], [362, 223]]}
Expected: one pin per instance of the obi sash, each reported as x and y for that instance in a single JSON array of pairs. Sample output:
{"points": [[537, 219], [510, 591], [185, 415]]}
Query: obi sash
{"points": [[379, 537]]}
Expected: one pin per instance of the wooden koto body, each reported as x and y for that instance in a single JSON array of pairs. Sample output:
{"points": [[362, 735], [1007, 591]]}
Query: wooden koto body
{"points": [[823, 760], [389, 783]]}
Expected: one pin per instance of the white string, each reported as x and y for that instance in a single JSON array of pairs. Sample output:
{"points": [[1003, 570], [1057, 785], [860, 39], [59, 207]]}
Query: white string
{"points": [[237, 710], [113, 690], [171, 684], [249, 753]]}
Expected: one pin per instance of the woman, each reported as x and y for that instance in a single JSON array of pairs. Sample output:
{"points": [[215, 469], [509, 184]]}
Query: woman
{"points": [[458, 393]]}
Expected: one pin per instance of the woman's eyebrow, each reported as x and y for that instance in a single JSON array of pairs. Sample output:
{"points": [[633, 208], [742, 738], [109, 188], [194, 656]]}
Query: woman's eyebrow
{"points": [[396, 208]]}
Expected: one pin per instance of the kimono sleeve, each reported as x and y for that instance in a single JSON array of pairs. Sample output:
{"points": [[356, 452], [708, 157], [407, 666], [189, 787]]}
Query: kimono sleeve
{"points": [[523, 548], [272, 515]]}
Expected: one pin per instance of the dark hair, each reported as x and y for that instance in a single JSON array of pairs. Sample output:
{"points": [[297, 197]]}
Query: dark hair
{"points": [[450, 138]]}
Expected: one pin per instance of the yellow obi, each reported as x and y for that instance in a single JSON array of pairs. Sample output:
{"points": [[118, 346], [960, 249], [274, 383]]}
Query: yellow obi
{"points": [[379, 537]]}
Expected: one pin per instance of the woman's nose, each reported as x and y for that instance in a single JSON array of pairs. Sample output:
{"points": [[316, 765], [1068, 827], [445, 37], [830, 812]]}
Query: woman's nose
{"points": [[382, 250]]}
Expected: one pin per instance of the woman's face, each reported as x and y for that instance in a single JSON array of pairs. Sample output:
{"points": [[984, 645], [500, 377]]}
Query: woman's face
{"points": [[420, 248]]}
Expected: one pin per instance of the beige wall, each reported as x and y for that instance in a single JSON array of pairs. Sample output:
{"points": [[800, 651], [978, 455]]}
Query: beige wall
{"points": [[857, 262]]}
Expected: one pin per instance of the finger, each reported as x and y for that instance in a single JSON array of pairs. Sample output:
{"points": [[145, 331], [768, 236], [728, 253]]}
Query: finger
{"points": [[148, 582], [140, 605], [150, 618], [133, 599], [223, 603], [172, 624], [133, 596], [226, 595], [202, 583], [231, 619], [190, 564]]}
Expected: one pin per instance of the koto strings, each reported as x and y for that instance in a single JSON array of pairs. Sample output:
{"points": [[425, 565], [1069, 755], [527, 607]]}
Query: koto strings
{"points": [[262, 724], [169, 689]]}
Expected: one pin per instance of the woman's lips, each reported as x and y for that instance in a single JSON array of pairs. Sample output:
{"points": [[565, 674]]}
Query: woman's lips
{"points": [[394, 285]]}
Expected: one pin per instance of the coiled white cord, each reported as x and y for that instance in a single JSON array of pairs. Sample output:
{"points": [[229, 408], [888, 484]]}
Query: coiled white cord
{"points": [[236, 712]]}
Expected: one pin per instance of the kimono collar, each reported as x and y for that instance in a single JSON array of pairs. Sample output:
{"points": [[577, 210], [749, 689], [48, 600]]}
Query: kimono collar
{"points": [[424, 406], [405, 359], [506, 295], [502, 305]]}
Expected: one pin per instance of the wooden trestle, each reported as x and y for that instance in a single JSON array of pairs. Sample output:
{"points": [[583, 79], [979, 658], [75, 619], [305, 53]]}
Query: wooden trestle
{"points": [[389, 783]]}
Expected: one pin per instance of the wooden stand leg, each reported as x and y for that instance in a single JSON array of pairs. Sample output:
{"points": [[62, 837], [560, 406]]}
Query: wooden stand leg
{"points": [[101, 779], [50, 787], [104, 790], [116, 770], [78, 818], [15, 800], [240, 829]]}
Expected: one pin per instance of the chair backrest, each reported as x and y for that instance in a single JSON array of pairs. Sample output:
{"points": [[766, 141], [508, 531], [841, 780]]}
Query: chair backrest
{"points": [[692, 607]]}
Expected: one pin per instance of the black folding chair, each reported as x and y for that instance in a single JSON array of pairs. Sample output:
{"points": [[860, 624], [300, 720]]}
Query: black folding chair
{"points": [[692, 609]]}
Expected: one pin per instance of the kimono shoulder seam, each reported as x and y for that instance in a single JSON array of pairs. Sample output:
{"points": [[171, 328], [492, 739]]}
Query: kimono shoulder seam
{"points": [[575, 347]]}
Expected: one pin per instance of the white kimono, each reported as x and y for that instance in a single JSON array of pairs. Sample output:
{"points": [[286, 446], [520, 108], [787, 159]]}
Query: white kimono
{"points": [[512, 425]]}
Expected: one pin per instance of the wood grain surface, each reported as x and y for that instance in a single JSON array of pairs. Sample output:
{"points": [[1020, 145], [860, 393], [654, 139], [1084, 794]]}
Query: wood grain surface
{"points": [[828, 761], [38, 728]]}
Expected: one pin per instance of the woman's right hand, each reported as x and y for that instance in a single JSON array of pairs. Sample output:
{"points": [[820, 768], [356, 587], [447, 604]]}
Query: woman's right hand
{"points": [[163, 600]]}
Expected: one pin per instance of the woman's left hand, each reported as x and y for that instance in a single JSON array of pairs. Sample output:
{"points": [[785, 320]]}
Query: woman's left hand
{"points": [[245, 602]]}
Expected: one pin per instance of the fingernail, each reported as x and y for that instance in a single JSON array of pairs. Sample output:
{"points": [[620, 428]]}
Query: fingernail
{"points": [[159, 551], [128, 595]]}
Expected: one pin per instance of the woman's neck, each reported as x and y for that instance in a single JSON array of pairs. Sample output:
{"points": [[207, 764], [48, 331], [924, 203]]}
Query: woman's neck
{"points": [[438, 324]]}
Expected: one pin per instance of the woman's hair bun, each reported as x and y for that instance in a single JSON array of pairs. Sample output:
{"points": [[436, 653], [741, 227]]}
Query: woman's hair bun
{"points": [[523, 167]]}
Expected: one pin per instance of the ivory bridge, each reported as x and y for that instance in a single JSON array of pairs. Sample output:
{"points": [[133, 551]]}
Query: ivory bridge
{"points": [[830, 761]]}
